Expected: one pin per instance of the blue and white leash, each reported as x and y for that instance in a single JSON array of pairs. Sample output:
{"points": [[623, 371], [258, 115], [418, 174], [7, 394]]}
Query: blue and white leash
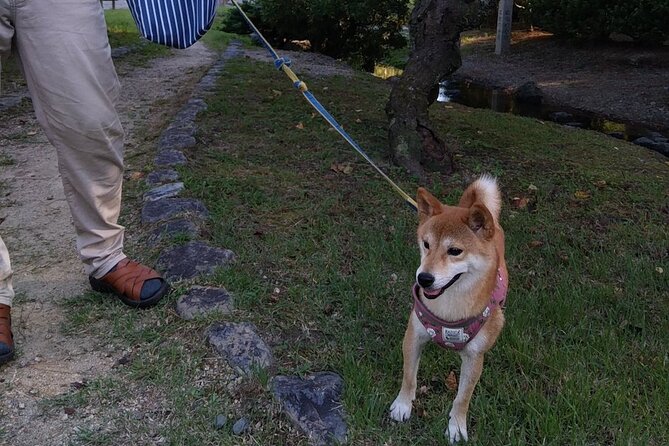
{"points": [[284, 64]]}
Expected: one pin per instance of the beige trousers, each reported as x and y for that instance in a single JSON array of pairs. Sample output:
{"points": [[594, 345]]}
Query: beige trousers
{"points": [[65, 56]]}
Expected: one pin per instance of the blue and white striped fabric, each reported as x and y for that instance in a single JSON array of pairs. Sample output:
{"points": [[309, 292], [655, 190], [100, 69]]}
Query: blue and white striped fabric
{"points": [[175, 23]]}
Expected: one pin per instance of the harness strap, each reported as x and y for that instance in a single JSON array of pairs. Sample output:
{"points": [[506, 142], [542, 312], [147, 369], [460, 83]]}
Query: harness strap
{"points": [[455, 335]]}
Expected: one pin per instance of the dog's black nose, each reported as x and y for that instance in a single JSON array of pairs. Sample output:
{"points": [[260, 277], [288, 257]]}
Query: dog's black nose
{"points": [[425, 279]]}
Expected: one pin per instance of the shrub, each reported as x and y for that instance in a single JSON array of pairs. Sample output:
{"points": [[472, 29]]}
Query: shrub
{"points": [[359, 30], [647, 21]]}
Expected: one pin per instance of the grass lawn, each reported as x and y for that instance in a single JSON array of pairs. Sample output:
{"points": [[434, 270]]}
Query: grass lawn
{"points": [[123, 32], [326, 261]]}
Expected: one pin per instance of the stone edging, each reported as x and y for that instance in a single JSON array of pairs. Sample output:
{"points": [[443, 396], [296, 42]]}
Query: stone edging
{"points": [[313, 403]]}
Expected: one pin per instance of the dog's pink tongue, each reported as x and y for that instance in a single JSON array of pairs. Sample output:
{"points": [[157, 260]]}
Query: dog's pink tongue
{"points": [[431, 293]]}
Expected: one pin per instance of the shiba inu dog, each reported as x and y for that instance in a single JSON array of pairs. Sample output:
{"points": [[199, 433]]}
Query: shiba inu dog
{"points": [[460, 292]]}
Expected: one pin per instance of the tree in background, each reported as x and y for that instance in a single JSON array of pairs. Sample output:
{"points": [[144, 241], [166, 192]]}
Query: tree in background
{"points": [[435, 29]]}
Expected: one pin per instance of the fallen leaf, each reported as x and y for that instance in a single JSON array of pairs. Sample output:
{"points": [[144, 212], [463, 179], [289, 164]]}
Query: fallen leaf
{"points": [[452, 381], [422, 390], [600, 184], [582, 194], [536, 244], [520, 203], [31, 133], [345, 168], [659, 269], [358, 120], [136, 175], [299, 126], [276, 93], [532, 187]]}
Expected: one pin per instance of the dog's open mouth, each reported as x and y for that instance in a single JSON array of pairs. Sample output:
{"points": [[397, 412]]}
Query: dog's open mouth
{"points": [[433, 294]]}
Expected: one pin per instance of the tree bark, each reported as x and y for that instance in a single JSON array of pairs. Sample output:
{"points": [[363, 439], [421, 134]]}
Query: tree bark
{"points": [[435, 28]]}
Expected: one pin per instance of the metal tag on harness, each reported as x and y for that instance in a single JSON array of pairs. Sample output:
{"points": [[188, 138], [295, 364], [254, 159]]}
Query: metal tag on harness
{"points": [[454, 334]]}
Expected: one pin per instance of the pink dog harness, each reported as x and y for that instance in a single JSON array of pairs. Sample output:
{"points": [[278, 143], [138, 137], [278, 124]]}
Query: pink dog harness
{"points": [[455, 335]]}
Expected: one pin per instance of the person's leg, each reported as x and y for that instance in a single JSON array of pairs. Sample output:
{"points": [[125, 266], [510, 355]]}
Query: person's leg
{"points": [[6, 290], [66, 60], [6, 296]]}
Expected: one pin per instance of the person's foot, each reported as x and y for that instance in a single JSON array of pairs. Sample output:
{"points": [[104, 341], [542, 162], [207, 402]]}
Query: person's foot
{"points": [[6, 338], [135, 284]]}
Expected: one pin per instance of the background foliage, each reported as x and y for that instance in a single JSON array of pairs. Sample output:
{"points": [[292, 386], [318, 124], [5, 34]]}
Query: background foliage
{"points": [[361, 31], [647, 21]]}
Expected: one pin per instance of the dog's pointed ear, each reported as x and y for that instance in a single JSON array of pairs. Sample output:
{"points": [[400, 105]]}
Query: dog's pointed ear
{"points": [[428, 205], [480, 221]]}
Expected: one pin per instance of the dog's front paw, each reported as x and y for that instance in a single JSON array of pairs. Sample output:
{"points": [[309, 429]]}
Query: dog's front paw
{"points": [[400, 410], [457, 430]]}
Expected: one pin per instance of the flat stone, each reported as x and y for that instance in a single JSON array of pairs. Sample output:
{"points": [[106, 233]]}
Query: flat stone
{"points": [[314, 405], [190, 111], [169, 208], [162, 176], [165, 191], [240, 426], [575, 124], [221, 421], [170, 157], [193, 259], [661, 147], [241, 346], [202, 301], [174, 228], [175, 141]]}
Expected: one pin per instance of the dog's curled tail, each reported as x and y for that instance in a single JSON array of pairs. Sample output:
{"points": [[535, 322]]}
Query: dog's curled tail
{"points": [[486, 191]]}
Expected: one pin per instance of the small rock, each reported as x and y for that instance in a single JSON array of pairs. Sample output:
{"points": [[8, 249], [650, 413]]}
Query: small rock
{"points": [[240, 345], [202, 301], [175, 141], [314, 404], [240, 426], [163, 176], [165, 191], [170, 157], [169, 208], [193, 259], [172, 229], [221, 421]]}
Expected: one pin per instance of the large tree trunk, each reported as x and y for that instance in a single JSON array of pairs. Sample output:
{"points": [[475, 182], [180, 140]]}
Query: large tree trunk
{"points": [[435, 33]]}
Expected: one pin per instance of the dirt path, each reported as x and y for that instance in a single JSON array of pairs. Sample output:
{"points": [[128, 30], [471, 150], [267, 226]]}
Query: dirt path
{"points": [[36, 226]]}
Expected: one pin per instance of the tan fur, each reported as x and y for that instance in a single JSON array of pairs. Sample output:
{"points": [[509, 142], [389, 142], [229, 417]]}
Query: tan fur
{"points": [[472, 226]]}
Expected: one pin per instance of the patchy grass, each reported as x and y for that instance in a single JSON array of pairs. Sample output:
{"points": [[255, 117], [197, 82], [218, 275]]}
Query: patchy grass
{"points": [[123, 32], [326, 261], [584, 254]]}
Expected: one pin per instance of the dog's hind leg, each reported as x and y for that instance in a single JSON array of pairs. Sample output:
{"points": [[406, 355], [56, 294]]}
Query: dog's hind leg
{"points": [[470, 372], [413, 344]]}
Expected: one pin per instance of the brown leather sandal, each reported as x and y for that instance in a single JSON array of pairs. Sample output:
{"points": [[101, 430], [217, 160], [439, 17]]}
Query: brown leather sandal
{"points": [[6, 337], [135, 284]]}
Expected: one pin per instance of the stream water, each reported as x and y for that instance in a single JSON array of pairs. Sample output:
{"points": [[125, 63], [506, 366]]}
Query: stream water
{"points": [[474, 95]]}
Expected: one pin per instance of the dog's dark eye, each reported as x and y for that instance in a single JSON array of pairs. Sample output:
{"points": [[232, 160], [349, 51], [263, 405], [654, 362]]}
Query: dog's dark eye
{"points": [[426, 244], [454, 251]]}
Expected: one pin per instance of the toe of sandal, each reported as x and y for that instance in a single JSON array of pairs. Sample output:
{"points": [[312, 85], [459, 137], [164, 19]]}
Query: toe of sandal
{"points": [[135, 284]]}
